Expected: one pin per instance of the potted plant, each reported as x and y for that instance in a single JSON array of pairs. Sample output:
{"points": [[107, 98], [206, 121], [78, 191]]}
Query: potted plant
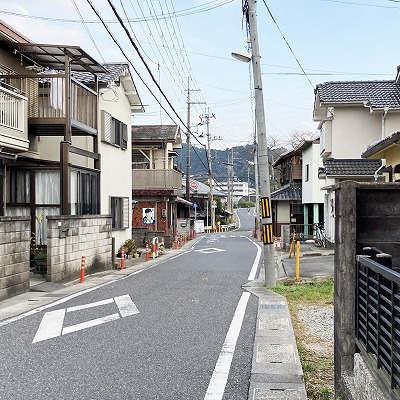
{"points": [[130, 247]]}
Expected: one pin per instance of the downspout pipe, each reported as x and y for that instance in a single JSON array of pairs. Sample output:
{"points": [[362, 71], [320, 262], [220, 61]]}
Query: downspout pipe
{"points": [[385, 111], [383, 161]]}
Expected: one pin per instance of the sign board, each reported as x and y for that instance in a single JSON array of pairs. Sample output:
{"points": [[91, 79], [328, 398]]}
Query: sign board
{"points": [[194, 185], [214, 204], [195, 205], [199, 226]]}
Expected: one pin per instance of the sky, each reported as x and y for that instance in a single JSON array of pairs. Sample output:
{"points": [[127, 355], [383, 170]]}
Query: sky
{"points": [[188, 44]]}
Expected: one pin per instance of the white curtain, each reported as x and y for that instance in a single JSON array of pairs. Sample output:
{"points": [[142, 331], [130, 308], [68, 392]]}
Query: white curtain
{"points": [[41, 222], [56, 92], [18, 212], [47, 184], [74, 192]]}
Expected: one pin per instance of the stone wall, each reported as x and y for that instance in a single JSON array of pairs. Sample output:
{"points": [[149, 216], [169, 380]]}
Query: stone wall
{"points": [[367, 214], [71, 237], [15, 235]]}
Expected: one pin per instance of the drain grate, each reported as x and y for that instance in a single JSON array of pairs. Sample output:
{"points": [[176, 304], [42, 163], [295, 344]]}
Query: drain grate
{"points": [[270, 306]]}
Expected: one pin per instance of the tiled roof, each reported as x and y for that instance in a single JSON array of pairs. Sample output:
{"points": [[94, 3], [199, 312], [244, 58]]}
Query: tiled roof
{"points": [[288, 192], [381, 144], [375, 94], [350, 167], [153, 133], [115, 70]]}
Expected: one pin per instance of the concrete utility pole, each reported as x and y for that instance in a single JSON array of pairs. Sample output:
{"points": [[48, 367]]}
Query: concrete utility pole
{"points": [[266, 215], [188, 142], [210, 176]]}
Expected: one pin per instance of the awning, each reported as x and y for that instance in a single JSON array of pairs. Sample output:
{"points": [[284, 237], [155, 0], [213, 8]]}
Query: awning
{"points": [[53, 56], [8, 156], [183, 201]]}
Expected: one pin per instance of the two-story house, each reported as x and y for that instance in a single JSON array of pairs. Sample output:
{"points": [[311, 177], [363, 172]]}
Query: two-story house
{"points": [[352, 116], [299, 201], [156, 181], [286, 201], [64, 131]]}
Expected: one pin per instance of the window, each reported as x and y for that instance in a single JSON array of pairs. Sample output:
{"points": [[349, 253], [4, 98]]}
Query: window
{"points": [[139, 160], [85, 195], [307, 173], [18, 187], [120, 212], [114, 131]]}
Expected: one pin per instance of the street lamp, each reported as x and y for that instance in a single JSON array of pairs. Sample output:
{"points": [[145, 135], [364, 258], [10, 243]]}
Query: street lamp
{"points": [[266, 216]]}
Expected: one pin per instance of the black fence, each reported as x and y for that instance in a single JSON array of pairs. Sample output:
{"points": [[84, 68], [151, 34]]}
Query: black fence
{"points": [[378, 313]]}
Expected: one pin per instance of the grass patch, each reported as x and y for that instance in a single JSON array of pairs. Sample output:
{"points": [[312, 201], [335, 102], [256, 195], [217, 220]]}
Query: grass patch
{"points": [[317, 368], [317, 292]]}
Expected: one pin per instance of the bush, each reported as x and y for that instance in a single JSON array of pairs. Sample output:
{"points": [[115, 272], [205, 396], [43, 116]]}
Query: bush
{"points": [[130, 246]]}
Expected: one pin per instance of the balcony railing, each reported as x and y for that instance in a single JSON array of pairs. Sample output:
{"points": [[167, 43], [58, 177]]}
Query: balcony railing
{"points": [[13, 121], [47, 100], [156, 179]]}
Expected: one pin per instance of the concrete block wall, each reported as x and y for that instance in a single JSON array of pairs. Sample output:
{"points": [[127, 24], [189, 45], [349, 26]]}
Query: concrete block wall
{"points": [[15, 235], [71, 237]]}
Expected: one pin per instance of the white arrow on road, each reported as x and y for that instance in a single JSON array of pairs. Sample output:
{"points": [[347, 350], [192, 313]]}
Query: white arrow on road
{"points": [[52, 322]]}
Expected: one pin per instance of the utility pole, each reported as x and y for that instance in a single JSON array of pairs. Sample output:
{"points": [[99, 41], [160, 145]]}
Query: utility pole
{"points": [[266, 215], [188, 143], [210, 176]]}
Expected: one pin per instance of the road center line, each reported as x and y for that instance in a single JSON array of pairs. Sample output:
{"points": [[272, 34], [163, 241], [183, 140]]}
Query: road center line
{"points": [[219, 377]]}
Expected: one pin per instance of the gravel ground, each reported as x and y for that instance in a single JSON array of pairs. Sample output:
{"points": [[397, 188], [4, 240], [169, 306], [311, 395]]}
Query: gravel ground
{"points": [[319, 324], [318, 321]]}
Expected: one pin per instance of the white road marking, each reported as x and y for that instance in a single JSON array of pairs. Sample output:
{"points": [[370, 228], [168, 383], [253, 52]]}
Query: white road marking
{"points": [[219, 377], [253, 271], [210, 250], [89, 324], [126, 306], [51, 326], [90, 305]]}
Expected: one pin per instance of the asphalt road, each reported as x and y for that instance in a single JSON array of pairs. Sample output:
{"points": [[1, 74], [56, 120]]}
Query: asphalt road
{"points": [[183, 329]]}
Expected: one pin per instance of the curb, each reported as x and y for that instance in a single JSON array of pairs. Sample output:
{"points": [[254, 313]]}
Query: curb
{"points": [[276, 371]]}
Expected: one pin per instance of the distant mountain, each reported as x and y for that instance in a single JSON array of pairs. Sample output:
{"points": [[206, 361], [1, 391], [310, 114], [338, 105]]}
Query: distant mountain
{"points": [[239, 156]]}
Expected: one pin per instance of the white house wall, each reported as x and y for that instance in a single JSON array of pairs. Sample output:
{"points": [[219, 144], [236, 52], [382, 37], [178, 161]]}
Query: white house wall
{"points": [[116, 164], [353, 129], [49, 149], [311, 189], [283, 212]]}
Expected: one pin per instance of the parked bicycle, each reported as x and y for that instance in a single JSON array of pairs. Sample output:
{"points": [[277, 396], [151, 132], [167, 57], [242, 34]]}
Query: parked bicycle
{"points": [[320, 238]]}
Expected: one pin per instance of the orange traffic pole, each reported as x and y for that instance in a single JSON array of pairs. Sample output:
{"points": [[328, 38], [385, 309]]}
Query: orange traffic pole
{"points": [[82, 277], [147, 252], [122, 262]]}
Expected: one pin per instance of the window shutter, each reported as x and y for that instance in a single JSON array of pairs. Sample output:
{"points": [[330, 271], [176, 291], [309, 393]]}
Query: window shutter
{"points": [[124, 142], [125, 212], [107, 126]]}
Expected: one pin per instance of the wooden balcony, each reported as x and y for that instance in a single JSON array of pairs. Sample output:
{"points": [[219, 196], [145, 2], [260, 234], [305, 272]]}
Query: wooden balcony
{"points": [[13, 119], [47, 104], [159, 179]]}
